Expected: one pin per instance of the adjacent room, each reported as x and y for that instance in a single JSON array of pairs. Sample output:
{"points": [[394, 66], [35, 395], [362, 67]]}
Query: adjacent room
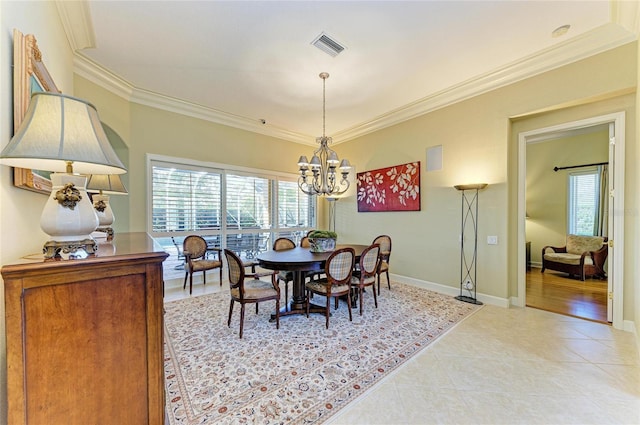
{"points": [[372, 212]]}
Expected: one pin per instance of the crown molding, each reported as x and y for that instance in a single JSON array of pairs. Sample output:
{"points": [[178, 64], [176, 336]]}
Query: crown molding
{"points": [[77, 23], [596, 41], [97, 74]]}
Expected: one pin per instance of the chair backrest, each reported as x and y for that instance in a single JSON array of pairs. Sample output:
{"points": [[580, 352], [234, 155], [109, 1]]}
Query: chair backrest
{"points": [[304, 242], [385, 247], [339, 266], [236, 270], [195, 245], [577, 244], [369, 261], [283, 243]]}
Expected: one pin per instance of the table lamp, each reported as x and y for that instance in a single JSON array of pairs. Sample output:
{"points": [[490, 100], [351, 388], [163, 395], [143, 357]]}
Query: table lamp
{"points": [[105, 185], [63, 134]]}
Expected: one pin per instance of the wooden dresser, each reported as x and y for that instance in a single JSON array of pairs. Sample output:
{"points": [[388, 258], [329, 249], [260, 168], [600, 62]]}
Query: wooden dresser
{"points": [[84, 337]]}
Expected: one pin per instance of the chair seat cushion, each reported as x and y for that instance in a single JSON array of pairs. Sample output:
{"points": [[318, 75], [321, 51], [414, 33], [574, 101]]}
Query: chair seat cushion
{"points": [[205, 265], [320, 287], [255, 290], [384, 266], [566, 258]]}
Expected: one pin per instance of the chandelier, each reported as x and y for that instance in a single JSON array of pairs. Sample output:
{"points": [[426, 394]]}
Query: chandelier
{"points": [[324, 163]]}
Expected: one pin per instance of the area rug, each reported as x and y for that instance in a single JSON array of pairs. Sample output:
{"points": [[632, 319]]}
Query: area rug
{"points": [[302, 373]]}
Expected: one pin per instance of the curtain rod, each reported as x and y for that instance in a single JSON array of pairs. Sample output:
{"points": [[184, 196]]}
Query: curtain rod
{"points": [[579, 166]]}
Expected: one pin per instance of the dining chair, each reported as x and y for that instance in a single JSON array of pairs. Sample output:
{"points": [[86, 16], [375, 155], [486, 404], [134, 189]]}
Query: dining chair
{"points": [[281, 244], [365, 275], [337, 283], [196, 252], [247, 288], [385, 253]]}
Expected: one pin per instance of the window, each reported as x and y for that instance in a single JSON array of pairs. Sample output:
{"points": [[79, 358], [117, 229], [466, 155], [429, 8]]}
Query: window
{"points": [[244, 208], [584, 195]]}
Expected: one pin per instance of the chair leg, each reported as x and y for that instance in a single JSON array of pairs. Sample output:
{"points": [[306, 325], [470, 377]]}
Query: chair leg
{"points": [[241, 318], [378, 284], [256, 308], [360, 292], [204, 277], [230, 313], [349, 305], [220, 275], [307, 302], [388, 281], [190, 283], [375, 297], [278, 314], [185, 280], [327, 311], [286, 295], [335, 303]]}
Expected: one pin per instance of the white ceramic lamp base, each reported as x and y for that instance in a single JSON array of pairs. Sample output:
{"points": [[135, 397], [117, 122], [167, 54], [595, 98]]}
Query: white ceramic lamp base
{"points": [[68, 216], [104, 213]]}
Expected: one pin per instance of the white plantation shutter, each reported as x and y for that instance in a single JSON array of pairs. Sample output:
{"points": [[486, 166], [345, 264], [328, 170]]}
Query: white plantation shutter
{"points": [[248, 202], [295, 209], [184, 199]]}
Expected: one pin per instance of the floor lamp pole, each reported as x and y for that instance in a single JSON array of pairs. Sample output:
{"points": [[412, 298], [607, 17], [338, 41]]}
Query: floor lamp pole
{"points": [[469, 223]]}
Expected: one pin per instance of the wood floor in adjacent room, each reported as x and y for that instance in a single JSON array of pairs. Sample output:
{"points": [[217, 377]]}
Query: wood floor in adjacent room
{"points": [[556, 292]]}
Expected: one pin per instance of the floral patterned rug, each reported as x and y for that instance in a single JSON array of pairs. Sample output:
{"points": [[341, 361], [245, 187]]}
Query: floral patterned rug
{"points": [[302, 373]]}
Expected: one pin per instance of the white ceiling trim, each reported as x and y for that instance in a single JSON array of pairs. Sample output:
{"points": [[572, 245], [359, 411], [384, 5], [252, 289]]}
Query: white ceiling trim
{"points": [[600, 40], [597, 41], [76, 21]]}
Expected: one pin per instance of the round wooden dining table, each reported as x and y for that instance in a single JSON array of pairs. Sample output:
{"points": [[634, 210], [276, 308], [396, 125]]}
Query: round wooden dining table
{"points": [[299, 260]]}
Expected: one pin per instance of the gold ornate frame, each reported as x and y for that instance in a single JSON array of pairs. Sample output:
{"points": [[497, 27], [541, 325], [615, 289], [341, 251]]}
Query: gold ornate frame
{"points": [[28, 69]]}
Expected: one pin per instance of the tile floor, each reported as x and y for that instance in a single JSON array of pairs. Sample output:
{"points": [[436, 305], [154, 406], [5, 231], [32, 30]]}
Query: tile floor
{"points": [[505, 366]]}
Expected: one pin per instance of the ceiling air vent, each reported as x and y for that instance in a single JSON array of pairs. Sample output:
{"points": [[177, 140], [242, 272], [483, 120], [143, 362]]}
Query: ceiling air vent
{"points": [[328, 45]]}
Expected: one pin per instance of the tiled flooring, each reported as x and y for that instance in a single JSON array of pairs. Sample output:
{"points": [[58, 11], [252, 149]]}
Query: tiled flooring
{"points": [[506, 366]]}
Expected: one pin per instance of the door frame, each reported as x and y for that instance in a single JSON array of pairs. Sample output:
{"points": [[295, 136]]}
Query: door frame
{"points": [[616, 257]]}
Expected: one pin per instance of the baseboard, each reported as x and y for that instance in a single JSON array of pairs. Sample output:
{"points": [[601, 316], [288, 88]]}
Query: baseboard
{"points": [[449, 290]]}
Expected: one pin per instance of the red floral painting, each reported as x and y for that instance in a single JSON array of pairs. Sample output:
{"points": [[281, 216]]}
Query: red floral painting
{"points": [[394, 188]]}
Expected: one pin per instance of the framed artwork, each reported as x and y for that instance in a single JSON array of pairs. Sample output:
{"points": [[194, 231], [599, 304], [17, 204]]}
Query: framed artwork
{"points": [[29, 76], [394, 188]]}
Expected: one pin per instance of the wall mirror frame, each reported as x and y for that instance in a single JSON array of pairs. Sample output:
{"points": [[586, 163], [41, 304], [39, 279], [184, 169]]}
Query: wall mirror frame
{"points": [[29, 75]]}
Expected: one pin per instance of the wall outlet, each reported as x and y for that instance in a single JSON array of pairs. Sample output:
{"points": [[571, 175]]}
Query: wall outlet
{"points": [[492, 240], [468, 285]]}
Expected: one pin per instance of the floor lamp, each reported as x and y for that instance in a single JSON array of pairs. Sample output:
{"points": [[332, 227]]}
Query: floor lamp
{"points": [[468, 260]]}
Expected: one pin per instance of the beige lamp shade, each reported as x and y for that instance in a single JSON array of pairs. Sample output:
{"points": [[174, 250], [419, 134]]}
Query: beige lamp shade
{"points": [[57, 130], [109, 184]]}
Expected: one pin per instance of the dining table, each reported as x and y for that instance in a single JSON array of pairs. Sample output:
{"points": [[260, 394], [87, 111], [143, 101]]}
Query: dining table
{"points": [[299, 261]]}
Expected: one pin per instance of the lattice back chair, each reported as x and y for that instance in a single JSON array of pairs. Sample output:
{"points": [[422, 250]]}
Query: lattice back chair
{"points": [[281, 244], [385, 254], [365, 275], [337, 283], [196, 256], [247, 288]]}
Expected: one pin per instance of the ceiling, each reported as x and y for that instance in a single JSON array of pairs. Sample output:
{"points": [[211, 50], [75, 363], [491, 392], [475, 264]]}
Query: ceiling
{"points": [[242, 62]]}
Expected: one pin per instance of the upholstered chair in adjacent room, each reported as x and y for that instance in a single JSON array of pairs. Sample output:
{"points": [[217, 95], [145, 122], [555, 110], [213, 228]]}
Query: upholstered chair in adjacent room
{"points": [[385, 254], [337, 283], [281, 244], [365, 275], [195, 253], [247, 288]]}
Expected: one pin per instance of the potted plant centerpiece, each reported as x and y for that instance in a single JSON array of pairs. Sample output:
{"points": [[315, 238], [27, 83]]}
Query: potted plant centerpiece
{"points": [[322, 240]]}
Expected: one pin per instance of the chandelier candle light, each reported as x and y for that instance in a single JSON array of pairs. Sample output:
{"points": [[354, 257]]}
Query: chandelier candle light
{"points": [[63, 134], [323, 163]]}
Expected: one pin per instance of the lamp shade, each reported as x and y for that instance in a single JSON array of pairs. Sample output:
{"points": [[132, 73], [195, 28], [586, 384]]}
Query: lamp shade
{"points": [[110, 184], [57, 130]]}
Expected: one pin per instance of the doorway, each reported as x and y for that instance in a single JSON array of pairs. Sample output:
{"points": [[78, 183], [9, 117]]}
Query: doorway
{"points": [[615, 124]]}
